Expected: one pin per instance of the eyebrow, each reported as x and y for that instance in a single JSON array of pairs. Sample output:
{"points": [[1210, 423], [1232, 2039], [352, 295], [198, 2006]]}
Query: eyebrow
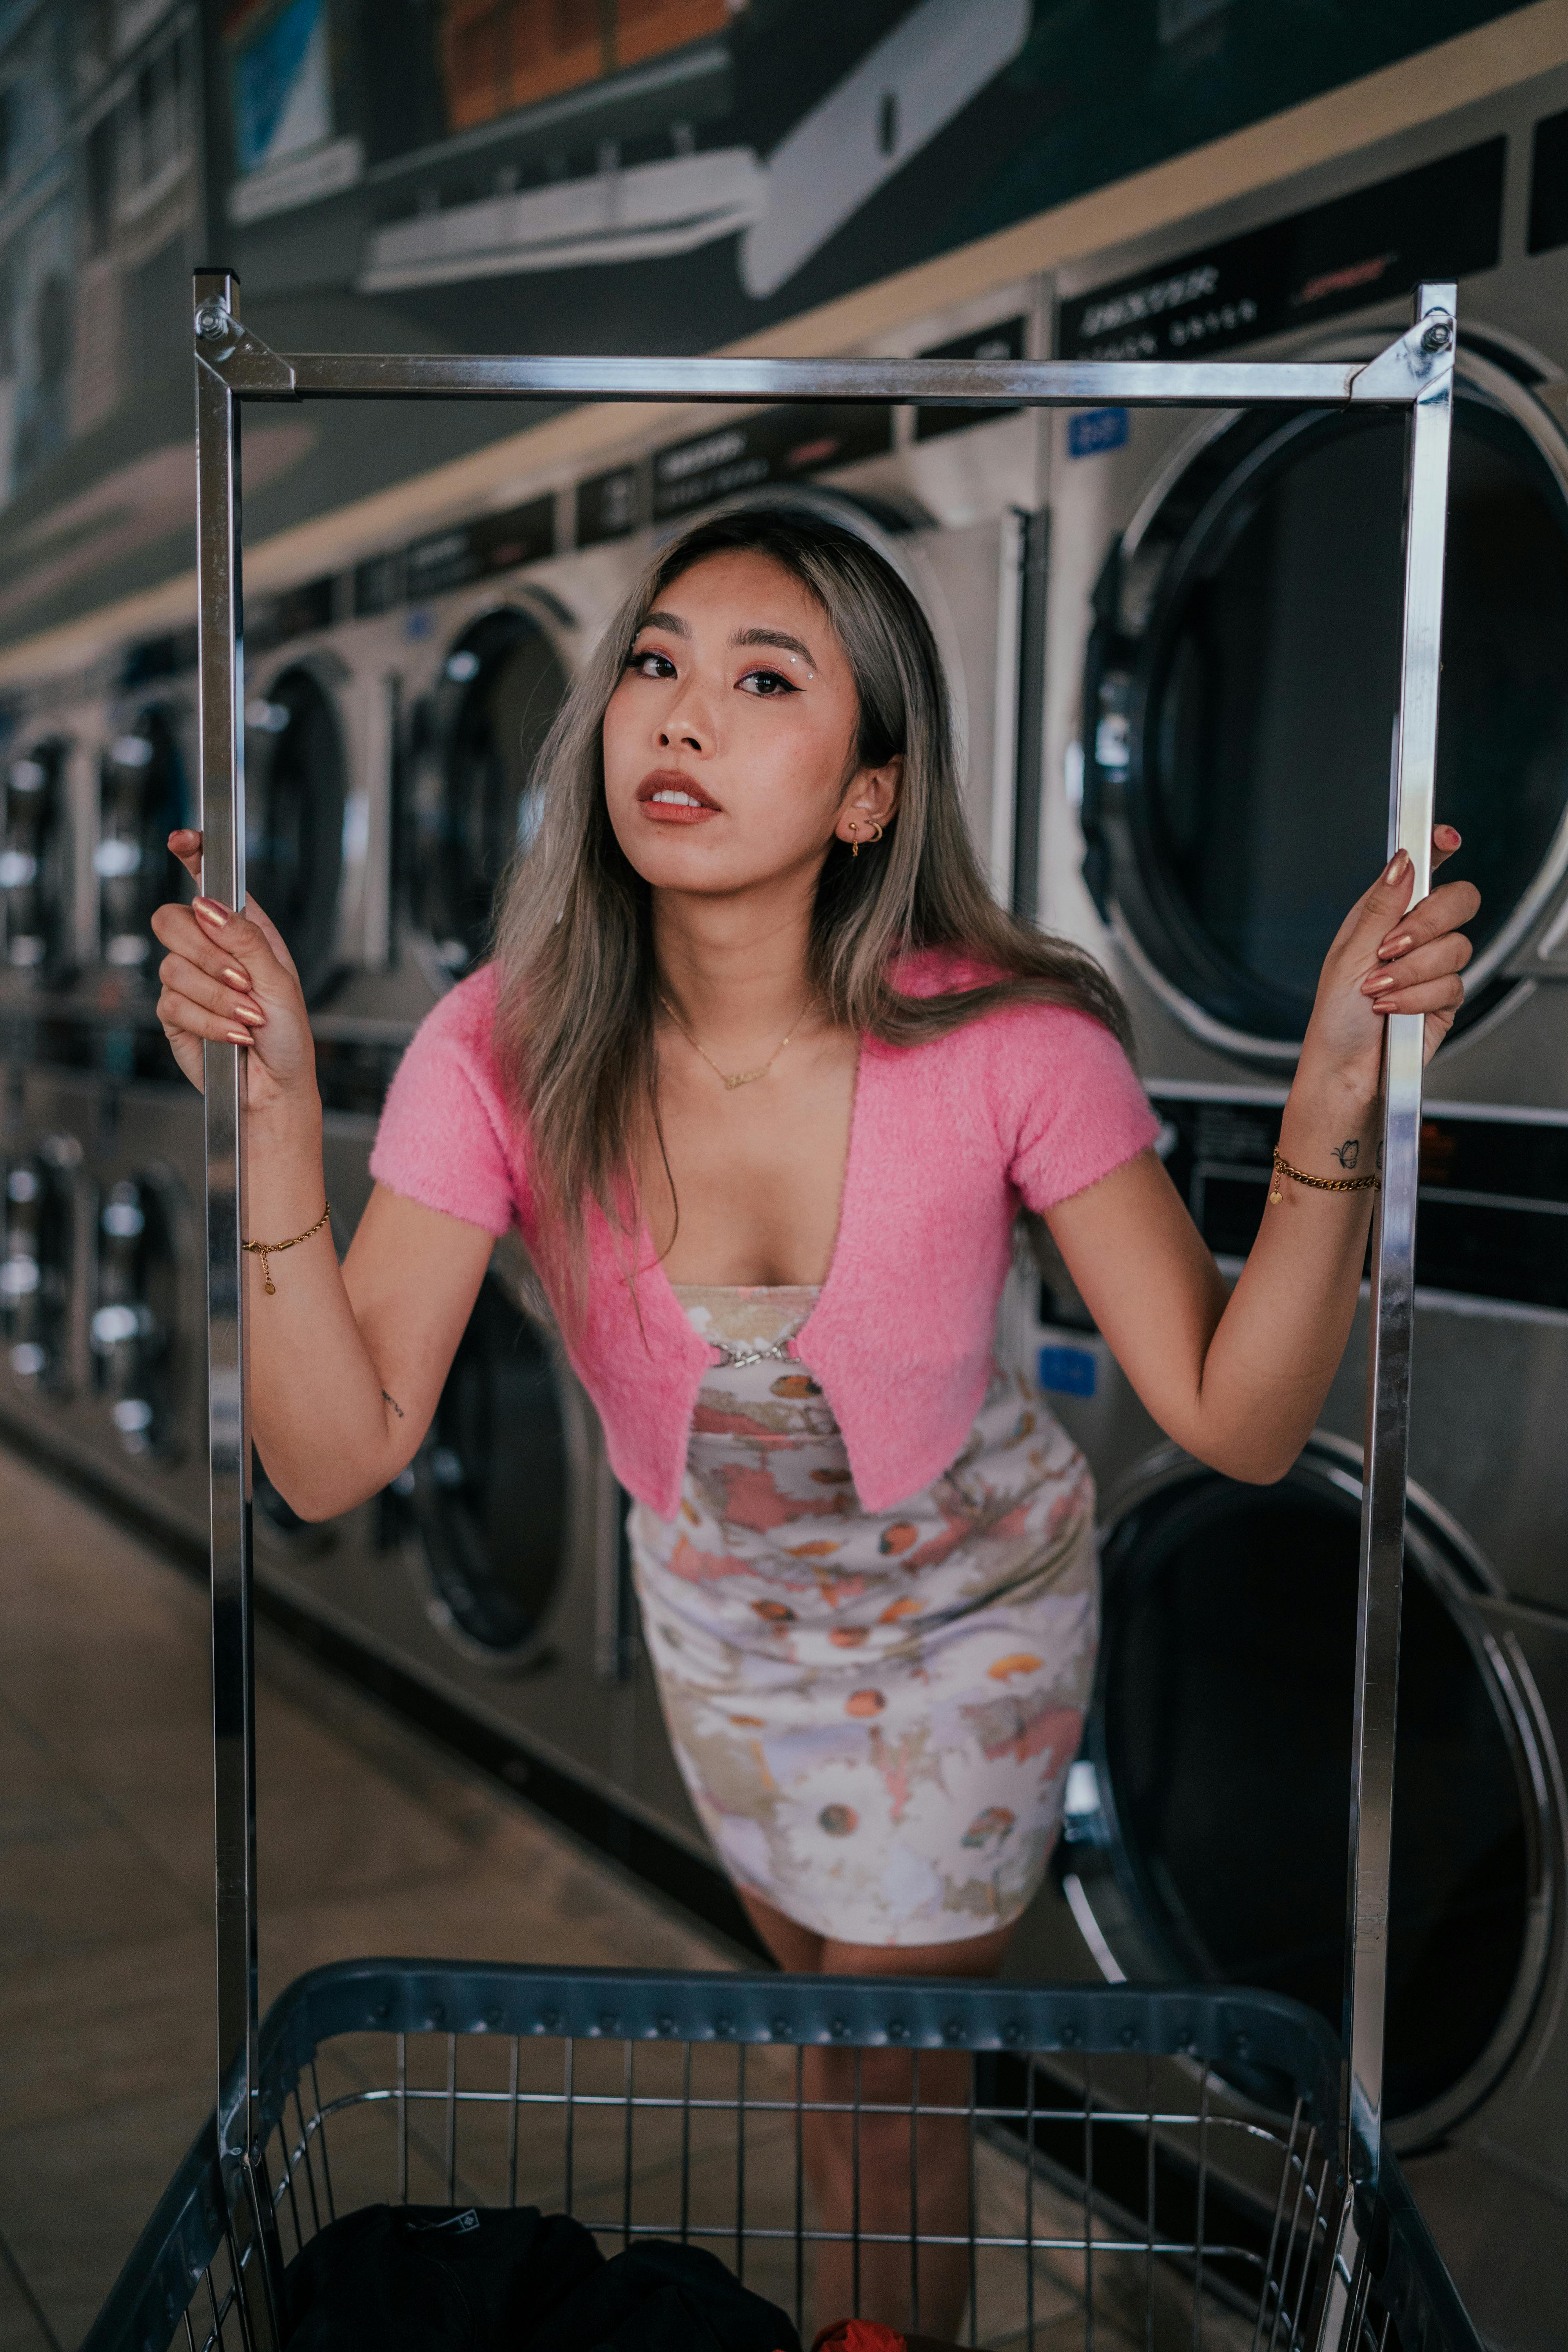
{"points": [[775, 637], [676, 627]]}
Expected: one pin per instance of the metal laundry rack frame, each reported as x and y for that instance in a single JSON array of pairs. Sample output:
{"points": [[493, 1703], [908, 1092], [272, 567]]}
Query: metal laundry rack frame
{"points": [[233, 366]]}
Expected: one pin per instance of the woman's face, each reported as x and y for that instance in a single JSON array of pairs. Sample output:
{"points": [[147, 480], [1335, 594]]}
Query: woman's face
{"points": [[731, 738]]}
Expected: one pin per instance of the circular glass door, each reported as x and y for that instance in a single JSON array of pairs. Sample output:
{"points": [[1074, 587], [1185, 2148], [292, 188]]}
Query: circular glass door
{"points": [[474, 804], [136, 1317], [1215, 1844], [35, 863], [37, 1269], [143, 796], [1241, 696], [488, 1488], [295, 787]]}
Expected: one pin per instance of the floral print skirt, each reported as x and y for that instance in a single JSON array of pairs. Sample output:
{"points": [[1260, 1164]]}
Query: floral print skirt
{"points": [[874, 1712]]}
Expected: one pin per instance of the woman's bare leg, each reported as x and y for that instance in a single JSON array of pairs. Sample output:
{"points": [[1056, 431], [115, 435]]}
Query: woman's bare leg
{"points": [[888, 2164]]}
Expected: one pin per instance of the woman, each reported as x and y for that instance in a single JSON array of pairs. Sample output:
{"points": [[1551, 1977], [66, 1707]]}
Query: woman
{"points": [[764, 1076]]}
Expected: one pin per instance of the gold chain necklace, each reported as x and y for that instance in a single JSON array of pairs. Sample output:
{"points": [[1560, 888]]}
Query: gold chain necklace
{"points": [[740, 1077]]}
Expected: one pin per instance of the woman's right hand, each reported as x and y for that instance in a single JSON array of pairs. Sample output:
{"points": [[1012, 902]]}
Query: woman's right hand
{"points": [[230, 978]]}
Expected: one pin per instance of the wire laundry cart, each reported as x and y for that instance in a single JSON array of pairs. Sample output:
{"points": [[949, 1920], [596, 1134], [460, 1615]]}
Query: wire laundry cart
{"points": [[1134, 2168]]}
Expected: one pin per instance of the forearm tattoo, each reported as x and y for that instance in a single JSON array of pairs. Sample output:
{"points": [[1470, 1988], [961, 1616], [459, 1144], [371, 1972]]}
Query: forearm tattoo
{"points": [[1348, 1152], [392, 1401]]}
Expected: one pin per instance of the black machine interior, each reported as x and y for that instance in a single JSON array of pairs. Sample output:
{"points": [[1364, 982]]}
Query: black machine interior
{"points": [[1241, 696], [472, 805], [1223, 1726], [143, 794], [485, 1494], [295, 788], [35, 862]]}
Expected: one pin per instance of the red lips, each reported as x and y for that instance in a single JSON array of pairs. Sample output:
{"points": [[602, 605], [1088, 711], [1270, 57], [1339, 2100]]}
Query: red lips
{"points": [[675, 811]]}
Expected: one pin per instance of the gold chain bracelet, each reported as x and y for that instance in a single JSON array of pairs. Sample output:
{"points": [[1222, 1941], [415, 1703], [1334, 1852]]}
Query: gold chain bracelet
{"points": [[1319, 1184], [264, 1250]]}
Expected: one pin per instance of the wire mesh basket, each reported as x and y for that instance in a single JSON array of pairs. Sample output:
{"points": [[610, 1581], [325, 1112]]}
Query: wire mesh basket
{"points": [[1140, 2168]]}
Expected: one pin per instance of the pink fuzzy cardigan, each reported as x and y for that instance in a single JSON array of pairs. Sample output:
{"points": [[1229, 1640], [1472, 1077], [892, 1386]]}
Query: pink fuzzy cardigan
{"points": [[1026, 1105]]}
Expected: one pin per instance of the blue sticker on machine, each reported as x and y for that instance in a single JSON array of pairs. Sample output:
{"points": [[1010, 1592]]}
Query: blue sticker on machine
{"points": [[1070, 1372], [1093, 430]]}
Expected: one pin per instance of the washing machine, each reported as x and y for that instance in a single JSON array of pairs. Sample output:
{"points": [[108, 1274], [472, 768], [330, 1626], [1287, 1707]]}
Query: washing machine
{"points": [[1221, 665]]}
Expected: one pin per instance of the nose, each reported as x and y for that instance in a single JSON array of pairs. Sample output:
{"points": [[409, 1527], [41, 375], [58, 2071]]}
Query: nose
{"points": [[687, 723]]}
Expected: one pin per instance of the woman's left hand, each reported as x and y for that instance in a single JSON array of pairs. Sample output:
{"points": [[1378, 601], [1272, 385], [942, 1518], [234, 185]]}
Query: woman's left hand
{"points": [[1390, 957]]}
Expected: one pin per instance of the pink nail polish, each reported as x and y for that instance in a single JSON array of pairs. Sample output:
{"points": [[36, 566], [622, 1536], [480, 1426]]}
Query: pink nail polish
{"points": [[1383, 979], [1398, 866], [251, 1014], [239, 1036], [210, 910], [236, 978], [1397, 947]]}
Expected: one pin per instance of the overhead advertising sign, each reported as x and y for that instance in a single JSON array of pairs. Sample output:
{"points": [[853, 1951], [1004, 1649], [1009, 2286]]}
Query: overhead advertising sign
{"points": [[663, 176]]}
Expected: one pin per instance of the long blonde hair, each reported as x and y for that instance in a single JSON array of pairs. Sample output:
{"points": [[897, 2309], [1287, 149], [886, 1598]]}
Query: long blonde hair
{"points": [[574, 937]]}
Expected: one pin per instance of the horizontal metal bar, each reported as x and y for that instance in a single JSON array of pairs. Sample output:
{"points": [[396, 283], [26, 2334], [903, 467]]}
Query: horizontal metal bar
{"points": [[933, 383]]}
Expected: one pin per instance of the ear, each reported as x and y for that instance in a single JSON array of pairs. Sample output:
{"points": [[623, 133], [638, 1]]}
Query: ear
{"points": [[872, 800]]}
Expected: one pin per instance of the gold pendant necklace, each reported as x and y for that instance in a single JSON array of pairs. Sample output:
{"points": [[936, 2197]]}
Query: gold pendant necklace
{"points": [[738, 1077]]}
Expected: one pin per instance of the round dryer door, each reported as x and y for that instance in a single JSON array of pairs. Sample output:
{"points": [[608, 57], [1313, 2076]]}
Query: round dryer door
{"points": [[473, 804], [1241, 691], [136, 1317], [295, 787], [143, 797], [36, 1270], [1207, 1827], [488, 1488], [35, 862]]}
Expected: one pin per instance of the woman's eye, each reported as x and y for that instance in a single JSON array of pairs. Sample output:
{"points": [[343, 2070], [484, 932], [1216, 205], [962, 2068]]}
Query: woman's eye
{"points": [[768, 683], [651, 664]]}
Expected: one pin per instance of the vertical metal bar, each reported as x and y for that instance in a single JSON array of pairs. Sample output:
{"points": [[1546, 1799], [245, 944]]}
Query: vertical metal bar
{"points": [[222, 876], [321, 2122], [451, 2119], [1029, 2209], [1089, 2205], [855, 2196], [915, 2189], [1028, 809], [571, 2121], [1149, 2200], [1201, 2224], [403, 2119], [511, 2122], [628, 2093], [686, 2148], [1393, 1268], [799, 2189], [740, 2164], [973, 2206]]}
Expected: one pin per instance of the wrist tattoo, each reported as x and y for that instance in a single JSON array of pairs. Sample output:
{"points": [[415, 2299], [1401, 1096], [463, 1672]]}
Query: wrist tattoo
{"points": [[392, 1401], [1348, 1152]]}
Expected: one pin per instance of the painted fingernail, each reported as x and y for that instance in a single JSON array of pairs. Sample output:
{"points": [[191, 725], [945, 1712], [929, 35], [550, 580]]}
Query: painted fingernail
{"points": [[251, 1013], [1394, 871], [239, 1036], [236, 978], [210, 910], [1450, 835], [1396, 946], [1382, 980]]}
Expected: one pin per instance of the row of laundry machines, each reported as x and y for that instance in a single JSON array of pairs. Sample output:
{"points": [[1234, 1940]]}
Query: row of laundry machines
{"points": [[1172, 640]]}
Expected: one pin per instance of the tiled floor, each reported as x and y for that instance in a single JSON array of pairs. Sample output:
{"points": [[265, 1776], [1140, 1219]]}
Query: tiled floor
{"points": [[370, 1842]]}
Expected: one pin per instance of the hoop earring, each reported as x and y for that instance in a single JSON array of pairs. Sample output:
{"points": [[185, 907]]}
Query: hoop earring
{"points": [[877, 833]]}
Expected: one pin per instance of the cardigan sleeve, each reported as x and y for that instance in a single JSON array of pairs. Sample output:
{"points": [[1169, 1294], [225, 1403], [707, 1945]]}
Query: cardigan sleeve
{"points": [[446, 1138], [1073, 1109]]}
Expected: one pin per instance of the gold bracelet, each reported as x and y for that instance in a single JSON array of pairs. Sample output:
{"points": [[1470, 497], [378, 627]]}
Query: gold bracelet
{"points": [[264, 1250], [1319, 1184]]}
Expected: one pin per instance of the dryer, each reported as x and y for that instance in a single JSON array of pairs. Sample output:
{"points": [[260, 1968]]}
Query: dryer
{"points": [[1218, 735]]}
